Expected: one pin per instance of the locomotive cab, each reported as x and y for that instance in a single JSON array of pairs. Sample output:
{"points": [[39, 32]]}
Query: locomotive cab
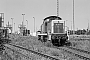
{"points": [[58, 35]]}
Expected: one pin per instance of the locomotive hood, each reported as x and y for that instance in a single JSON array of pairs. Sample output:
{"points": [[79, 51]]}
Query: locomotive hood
{"points": [[53, 18]]}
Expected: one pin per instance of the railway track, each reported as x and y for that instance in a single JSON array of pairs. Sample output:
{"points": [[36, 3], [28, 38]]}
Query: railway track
{"points": [[34, 52], [85, 55]]}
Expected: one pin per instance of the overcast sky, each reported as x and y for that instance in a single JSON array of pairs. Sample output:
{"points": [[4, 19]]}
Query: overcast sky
{"points": [[43, 8]]}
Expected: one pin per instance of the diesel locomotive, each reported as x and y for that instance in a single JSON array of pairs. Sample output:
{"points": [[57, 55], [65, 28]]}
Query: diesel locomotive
{"points": [[53, 30]]}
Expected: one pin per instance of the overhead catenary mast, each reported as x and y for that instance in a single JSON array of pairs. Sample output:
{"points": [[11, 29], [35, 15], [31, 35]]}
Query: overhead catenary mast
{"points": [[57, 7], [73, 19]]}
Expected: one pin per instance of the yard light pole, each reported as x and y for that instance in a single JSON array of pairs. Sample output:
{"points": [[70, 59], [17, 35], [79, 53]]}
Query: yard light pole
{"points": [[12, 25], [34, 23], [23, 18], [27, 24], [71, 25]]}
